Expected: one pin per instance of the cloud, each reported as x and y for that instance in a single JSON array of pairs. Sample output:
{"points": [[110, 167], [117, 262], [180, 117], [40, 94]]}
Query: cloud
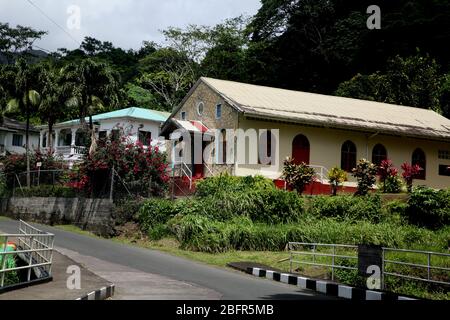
{"points": [[126, 23]]}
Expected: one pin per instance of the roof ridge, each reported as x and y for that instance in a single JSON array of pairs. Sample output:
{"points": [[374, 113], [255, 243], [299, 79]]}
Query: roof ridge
{"points": [[310, 93]]}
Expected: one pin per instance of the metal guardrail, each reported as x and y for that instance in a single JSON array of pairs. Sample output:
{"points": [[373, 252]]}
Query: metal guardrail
{"points": [[429, 266], [35, 247], [292, 246], [312, 251]]}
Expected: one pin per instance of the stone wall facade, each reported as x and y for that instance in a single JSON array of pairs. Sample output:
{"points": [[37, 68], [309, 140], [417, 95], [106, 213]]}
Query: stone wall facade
{"points": [[229, 119], [94, 215], [210, 99]]}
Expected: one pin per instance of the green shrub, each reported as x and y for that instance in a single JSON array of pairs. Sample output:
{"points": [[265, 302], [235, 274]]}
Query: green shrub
{"points": [[224, 197], [429, 208], [159, 231], [127, 210], [262, 205], [246, 235], [228, 183], [198, 233], [277, 206], [395, 211], [154, 212], [47, 191], [225, 205], [347, 207], [392, 184]]}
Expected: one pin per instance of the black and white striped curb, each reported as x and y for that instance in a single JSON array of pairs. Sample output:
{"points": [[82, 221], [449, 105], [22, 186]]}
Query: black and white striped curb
{"points": [[328, 288], [100, 294]]}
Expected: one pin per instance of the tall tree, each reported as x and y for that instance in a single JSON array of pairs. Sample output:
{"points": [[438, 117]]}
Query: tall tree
{"points": [[16, 41], [445, 95], [226, 57], [54, 99], [314, 45], [414, 81], [22, 82], [169, 74], [91, 86]]}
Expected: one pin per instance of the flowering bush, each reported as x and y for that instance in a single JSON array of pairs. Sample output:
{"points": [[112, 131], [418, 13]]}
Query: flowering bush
{"points": [[410, 172], [48, 160], [390, 182], [16, 164], [365, 172], [297, 176], [142, 170]]}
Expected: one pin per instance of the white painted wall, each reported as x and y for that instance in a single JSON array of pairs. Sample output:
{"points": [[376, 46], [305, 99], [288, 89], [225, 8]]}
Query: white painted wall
{"points": [[129, 125], [131, 128], [8, 140]]}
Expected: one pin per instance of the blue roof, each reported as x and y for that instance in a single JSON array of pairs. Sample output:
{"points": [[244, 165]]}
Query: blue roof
{"points": [[133, 112]]}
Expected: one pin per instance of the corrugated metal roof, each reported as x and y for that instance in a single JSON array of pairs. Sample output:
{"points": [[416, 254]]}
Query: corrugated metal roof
{"points": [[331, 111], [12, 124], [133, 112]]}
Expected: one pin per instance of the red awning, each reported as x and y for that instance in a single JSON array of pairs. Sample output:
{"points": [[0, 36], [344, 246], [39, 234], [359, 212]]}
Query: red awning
{"points": [[200, 126]]}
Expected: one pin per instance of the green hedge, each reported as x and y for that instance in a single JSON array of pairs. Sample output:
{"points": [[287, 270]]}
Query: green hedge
{"points": [[199, 233], [127, 210], [347, 207], [429, 208], [155, 212], [269, 206]]}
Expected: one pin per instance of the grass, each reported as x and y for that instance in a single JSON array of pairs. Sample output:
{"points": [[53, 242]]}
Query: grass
{"points": [[77, 230]]}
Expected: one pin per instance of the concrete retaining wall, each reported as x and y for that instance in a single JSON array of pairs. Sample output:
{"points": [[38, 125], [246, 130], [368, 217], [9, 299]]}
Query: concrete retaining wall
{"points": [[89, 214]]}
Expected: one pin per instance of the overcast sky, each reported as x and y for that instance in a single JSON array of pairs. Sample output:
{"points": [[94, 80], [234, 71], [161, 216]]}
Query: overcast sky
{"points": [[126, 23]]}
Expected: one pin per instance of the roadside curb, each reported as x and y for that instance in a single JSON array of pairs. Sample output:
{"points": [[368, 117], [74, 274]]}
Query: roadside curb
{"points": [[325, 287], [99, 294]]}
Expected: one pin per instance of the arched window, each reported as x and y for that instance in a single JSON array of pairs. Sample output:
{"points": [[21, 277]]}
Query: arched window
{"points": [[300, 149], [348, 156], [419, 158], [379, 154]]}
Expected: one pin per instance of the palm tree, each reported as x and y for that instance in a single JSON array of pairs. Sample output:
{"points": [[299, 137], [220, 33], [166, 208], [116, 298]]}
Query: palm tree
{"points": [[53, 101], [91, 85], [21, 82]]}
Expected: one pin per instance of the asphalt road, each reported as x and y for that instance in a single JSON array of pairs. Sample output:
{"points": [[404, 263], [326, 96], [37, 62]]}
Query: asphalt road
{"points": [[230, 285]]}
